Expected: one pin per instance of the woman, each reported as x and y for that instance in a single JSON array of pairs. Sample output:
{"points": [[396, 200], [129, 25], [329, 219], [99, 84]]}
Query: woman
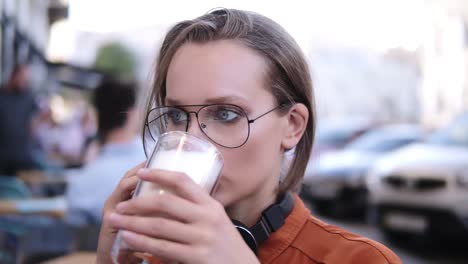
{"points": [[248, 70]]}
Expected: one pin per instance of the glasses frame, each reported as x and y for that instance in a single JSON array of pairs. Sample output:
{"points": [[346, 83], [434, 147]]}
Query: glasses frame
{"points": [[202, 106]]}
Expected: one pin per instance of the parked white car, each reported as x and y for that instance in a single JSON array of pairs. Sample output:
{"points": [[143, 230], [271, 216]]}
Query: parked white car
{"points": [[423, 188], [335, 182]]}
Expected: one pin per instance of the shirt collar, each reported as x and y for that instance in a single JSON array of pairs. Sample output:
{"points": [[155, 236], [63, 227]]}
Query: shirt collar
{"points": [[124, 148]]}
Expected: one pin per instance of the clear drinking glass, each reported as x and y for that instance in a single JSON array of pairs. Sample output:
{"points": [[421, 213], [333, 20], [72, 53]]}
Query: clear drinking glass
{"points": [[180, 152]]}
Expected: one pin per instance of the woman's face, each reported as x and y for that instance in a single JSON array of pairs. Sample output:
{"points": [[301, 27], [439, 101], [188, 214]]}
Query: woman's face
{"points": [[228, 72]]}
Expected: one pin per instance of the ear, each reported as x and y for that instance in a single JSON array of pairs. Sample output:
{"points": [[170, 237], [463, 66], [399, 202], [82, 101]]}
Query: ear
{"points": [[297, 118]]}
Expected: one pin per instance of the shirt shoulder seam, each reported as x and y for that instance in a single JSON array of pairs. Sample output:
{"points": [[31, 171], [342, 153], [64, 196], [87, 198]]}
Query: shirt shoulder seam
{"points": [[350, 239], [304, 253]]}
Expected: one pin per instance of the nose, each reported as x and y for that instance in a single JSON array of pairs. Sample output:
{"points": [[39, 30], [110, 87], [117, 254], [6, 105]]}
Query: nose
{"points": [[193, 128]]}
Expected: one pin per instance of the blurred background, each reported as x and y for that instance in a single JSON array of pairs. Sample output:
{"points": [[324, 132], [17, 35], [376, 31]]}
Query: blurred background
{"points": [[391, 85]]}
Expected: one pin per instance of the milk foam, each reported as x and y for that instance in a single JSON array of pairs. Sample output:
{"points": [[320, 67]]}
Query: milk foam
{"points": [[202, 167]]}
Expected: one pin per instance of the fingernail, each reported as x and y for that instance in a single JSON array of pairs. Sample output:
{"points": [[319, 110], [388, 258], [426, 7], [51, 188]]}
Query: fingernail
{"points": [[127, 235], [114, 217], [142, 171]]}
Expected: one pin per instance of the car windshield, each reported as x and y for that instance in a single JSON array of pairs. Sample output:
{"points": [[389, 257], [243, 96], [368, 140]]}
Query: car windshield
{"points": [[335, 135], [381, 141], [455, 134]]}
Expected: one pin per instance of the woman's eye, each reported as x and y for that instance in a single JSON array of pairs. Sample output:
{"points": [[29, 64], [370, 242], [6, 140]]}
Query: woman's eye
{"points": [[226, 115], [176, 116]]}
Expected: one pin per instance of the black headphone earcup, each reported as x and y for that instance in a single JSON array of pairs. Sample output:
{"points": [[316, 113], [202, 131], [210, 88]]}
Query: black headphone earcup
{"points": [[248, 237], [272, 219]]}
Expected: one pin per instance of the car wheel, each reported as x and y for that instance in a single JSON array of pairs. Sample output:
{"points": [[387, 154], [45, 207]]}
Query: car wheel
{"points": [[321, 207], [338, 209], [395, 236]]}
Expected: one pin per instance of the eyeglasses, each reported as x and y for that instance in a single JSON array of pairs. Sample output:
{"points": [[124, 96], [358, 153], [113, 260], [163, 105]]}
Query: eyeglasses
{"points": [[225, 124]]}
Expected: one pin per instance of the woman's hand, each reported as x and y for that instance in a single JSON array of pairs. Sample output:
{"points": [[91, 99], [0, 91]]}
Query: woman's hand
{"points": [[185, 225], [107, 234]]}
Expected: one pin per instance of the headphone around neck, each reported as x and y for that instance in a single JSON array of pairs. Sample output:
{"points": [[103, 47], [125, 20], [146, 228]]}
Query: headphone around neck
{"points": [[271, 220]]}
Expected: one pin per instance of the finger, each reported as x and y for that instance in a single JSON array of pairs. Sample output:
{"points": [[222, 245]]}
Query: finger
{"points": [[160, 248], [156, 227], [128, 184], [164, 203], [133, 171], [177, 182], [126, 188]]}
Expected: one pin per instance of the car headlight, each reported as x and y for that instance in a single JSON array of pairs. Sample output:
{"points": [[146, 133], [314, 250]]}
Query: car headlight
{"points": [[462, 178], [372, 178]]}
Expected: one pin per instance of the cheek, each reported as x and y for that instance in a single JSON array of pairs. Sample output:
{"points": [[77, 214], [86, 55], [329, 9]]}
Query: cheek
{"points": [[246, 169], [260, 148]]}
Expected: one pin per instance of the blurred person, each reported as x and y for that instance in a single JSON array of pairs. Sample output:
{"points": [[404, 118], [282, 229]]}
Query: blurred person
{"points": [[17, 111], [242, 72], [45, 133], [91, 146], [74, 138], [120, 150], [44, 126], [70, 144]]}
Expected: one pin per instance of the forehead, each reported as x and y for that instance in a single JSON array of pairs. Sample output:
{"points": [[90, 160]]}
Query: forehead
{"points": [[226, 68]]}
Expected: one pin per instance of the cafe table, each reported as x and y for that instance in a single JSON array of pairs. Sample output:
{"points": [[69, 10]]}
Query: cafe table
{"points": [[74, 258], [55, 206]]}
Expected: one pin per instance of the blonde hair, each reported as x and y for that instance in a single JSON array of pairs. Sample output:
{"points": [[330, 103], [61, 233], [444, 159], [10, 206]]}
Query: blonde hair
{"points": [[288, 73]]}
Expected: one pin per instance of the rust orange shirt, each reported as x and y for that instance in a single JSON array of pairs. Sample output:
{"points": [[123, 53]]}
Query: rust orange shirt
{"points": [[304, 239]]}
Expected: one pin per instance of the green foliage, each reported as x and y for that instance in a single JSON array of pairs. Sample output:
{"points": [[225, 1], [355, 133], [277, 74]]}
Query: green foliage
{"points": [[116, 59]]}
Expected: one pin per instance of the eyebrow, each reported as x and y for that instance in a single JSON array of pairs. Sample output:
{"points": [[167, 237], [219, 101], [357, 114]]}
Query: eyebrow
{"points": [[213, 100]]}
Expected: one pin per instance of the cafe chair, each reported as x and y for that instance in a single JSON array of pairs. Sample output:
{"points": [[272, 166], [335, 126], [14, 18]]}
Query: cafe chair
{"points": [[13, 188]]}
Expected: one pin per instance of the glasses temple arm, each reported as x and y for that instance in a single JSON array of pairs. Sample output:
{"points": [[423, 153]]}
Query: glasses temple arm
{"points": [[264, 114]]}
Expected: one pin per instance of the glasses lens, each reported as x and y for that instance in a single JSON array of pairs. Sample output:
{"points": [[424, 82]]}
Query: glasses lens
{"points": [[226, 125], [164, 119]]}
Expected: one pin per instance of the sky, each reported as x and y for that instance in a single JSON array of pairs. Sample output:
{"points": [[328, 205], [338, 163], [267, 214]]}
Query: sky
{"points": [[374, 24]]}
